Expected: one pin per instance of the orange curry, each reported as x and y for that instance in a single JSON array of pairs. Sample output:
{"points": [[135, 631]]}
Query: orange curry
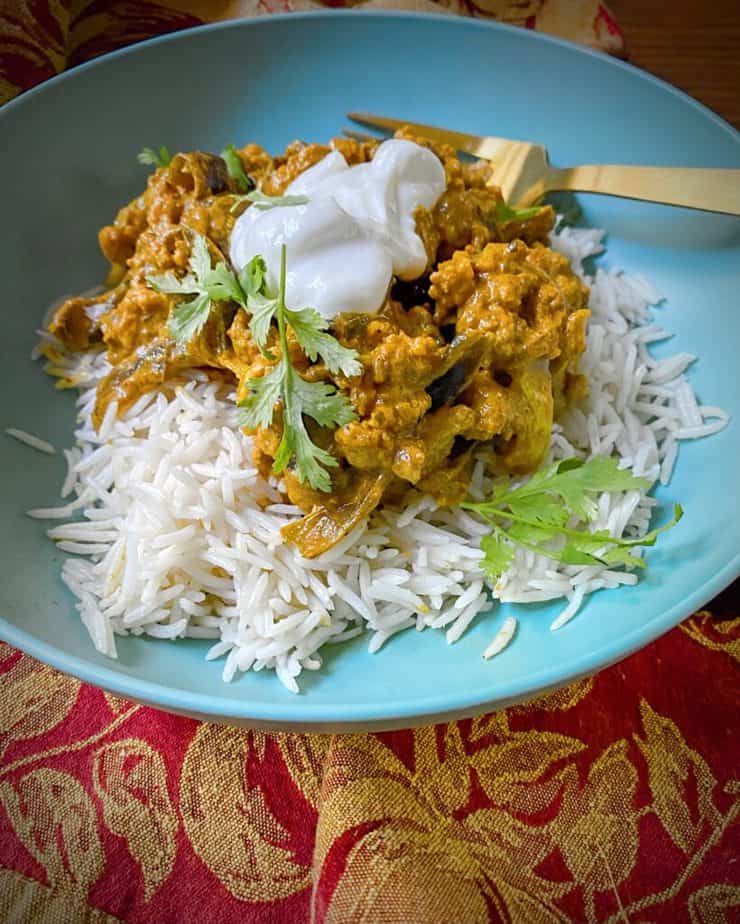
{"points": [[481, 349]]}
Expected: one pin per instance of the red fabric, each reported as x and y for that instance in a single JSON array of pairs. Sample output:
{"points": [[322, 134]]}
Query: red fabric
{"points": [[614, 799]]}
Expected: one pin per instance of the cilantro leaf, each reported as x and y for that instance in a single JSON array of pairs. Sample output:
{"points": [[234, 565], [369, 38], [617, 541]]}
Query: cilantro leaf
{"points": [[651, 537], [258, 409], [188, 319], [259, 302], [202, 286], [262, 201], [168, 284], [538, 516], [200, 258], [263, 310], [154, 158], [506, 213], [236, 169], [542, 509], [309, 328], [499, 555], [297, 442], [528, 533], [252, 277], [222, 285], [208, 285], [573, 480], [311, 460], [621, 555], [299, 398], [323, 402]]}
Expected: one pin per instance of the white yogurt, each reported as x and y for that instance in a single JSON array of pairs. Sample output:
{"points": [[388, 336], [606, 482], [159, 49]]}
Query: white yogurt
{"points": [[355, 232]]}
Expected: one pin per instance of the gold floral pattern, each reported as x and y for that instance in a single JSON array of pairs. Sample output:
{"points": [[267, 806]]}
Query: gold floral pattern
{"points": [[592, 804], [672, 764], [719, 635], [714, 903], [24, 900], [130, 779], [53, 816], [425, 817], [35, 699], [116, 704], [597, 826], [229, 821]]}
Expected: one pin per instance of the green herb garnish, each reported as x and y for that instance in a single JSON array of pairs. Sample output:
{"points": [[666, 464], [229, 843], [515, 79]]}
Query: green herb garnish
{"points": [[506, 213], [537, 515], [309, 327], [204, 283], [236, 170], [154, 158], [262, 201], [318, 400]]}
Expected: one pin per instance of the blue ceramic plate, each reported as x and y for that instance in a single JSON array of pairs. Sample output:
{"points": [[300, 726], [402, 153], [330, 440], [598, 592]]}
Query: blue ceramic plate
{"points": [[68, 161]]}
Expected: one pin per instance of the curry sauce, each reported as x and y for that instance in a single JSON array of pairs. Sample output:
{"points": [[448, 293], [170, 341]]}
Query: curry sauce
{"points": [[483, 348]]}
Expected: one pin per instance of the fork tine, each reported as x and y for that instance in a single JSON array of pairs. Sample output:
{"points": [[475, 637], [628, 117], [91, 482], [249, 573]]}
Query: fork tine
{"points": [[459, 140], [359, 136], [386, 125]]}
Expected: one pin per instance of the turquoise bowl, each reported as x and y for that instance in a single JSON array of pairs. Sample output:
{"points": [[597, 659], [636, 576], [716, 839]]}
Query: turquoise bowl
{"points": [[68, 161]]}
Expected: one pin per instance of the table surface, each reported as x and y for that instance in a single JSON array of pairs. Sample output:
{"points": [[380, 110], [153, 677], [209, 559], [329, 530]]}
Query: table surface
{"points": [[695, 46], [691, 44]]}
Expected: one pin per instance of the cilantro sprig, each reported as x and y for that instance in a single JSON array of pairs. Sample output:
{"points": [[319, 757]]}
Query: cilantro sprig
{"points": [[236, 170], [153, 157], [309, 327], [201, 287], [544, 514], [263, 202], [298, 397], [506, 213]]}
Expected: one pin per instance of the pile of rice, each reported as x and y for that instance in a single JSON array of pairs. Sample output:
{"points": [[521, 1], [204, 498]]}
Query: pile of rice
{"points": [[179, 535]]}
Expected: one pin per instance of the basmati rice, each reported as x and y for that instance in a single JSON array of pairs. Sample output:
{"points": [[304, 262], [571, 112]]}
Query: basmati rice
{"points": [[181, 535], [30, 440], [502, 638]]}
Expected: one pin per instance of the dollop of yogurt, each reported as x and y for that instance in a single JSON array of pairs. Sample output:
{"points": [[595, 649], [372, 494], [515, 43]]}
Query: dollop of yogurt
{"points": [[356, 231]]}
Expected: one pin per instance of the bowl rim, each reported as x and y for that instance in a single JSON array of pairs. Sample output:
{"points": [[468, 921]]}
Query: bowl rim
{"points": [[301, 714]]}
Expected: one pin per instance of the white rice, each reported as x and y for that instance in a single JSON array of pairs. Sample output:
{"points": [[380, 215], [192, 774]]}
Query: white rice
{"points": [[502, 638], [29, 439], [180, 535]]}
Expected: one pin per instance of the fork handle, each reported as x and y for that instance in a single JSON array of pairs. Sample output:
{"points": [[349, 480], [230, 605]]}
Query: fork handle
{"points": [[691, 187]]}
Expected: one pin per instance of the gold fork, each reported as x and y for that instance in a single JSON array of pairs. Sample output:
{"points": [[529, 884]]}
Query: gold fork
{"points": [[523, 172]]}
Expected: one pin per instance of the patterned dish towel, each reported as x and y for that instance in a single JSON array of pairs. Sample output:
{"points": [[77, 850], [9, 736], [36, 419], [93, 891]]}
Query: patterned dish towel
{"points": [[613, 800]]}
